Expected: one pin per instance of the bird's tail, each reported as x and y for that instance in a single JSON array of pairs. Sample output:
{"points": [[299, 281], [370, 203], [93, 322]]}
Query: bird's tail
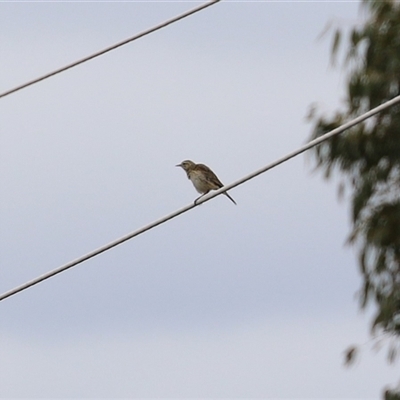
{"points": [[230, 198]]}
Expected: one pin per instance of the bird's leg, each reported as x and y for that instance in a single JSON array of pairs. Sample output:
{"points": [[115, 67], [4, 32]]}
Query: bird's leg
{"points": [[195, 202]]}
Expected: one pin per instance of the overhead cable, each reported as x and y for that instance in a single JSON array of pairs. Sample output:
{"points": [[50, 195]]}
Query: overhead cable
{"points": [[113, 47], [160, 221]]}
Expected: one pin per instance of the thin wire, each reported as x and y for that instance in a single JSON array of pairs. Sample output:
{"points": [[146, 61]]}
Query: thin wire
{"points": [[309, 145], [152, 225], [113, 47]]}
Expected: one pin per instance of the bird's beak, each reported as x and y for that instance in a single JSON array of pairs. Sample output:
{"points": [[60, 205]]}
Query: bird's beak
{"points": [[179, 165]]}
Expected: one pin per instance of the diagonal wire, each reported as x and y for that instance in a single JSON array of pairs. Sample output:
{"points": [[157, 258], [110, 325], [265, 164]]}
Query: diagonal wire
{"points": [[152, 225], [113, 47]]}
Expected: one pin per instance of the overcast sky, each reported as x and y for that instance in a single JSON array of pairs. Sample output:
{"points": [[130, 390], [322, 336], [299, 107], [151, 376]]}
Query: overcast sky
{"points": [[253, 300]]}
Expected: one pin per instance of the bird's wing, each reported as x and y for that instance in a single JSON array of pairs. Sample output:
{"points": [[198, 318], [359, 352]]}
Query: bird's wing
{"points": [[210, 176]]}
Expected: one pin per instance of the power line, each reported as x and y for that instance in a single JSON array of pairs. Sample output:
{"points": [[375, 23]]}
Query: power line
{"points": [[152, 225], [113, 47]]}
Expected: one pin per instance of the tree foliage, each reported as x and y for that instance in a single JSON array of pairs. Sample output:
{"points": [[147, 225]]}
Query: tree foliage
{"points": [[367, 158]]}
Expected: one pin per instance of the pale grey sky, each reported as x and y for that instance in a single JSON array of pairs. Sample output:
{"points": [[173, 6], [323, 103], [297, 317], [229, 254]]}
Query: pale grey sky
{"points": [[253, 300]]}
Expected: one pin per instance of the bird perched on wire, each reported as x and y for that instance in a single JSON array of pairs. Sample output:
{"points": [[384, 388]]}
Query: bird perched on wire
{"points": [[202, 178]]}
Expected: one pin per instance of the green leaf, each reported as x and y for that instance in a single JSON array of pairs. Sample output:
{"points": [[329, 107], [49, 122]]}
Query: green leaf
{"points": [[335, 45]]}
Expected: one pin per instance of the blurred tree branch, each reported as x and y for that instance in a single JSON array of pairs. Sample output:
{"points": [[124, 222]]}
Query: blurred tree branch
{"points": [[367, 157]]}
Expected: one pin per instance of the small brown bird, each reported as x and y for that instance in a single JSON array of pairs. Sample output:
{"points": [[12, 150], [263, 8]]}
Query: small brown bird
{"points": [[202, 178]]}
